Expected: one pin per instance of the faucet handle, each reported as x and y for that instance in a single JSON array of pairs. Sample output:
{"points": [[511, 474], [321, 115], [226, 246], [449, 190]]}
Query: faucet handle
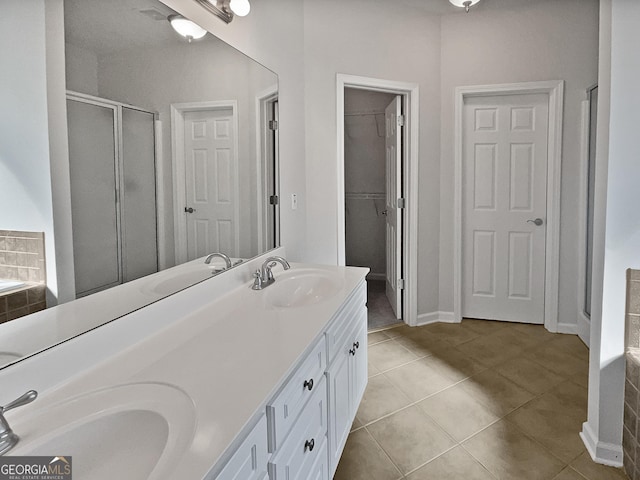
{"points": [[25, 399], [257, 284]]}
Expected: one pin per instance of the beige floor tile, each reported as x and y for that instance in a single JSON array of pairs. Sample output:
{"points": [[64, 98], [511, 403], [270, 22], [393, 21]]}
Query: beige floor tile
{"points": [[377, 337], [558, 361], [399, 331], [380, 398], [555, 420], [363, 459], [452, 333], [419, 379], [537, 332], [509, 454], [458, 413], [423, 345], [581, 378], [593, 471], [389, 354], [456, 365], [529, 375], [372, 369], [569, 474], [496, 392], [573, 345], [410, 438], [485, 327], [493, 349], [456, 464], [356, 424]]}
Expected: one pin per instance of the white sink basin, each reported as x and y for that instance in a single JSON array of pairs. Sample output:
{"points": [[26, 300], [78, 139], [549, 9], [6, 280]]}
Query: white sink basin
{"points": [[299, 287], [130, 431]]}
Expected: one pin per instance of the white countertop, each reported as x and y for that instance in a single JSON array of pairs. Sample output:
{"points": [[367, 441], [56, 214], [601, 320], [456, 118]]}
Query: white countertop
{"points": [[222, 345]]}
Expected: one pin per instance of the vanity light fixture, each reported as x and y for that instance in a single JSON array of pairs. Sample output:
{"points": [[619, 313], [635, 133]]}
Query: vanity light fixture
{"points": [[186, 28], [240, 7], [226, 9], [464, 3]]}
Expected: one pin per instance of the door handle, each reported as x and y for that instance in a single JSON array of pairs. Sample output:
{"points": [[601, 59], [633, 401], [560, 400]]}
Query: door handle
{"points": [[189, 209], [537, 222]]}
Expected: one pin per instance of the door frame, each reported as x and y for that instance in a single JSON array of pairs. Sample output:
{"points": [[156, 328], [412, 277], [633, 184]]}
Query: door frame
{"points": [[262, 101], [411, 106], [555, 91], [178, 111]]}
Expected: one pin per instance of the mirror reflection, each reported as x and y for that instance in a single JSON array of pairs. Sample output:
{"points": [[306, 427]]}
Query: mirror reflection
{"points": [[172, 152]]}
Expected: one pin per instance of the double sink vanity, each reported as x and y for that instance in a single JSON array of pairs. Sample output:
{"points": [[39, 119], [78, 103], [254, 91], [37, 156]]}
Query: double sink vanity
{"points": [[218, 381]]}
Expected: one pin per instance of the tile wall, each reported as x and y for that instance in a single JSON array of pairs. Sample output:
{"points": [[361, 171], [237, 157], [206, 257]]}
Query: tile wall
{"points": [[630, 440], [22, 258]]}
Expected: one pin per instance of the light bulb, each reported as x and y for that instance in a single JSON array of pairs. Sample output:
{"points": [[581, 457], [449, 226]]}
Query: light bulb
{"points": [[186, 28], [464, 3], [240, 7]]}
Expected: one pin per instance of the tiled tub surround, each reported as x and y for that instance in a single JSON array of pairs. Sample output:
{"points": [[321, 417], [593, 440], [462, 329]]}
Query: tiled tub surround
{"points": [[22, 256], [22, 259], [631, 432], [22, 301]]}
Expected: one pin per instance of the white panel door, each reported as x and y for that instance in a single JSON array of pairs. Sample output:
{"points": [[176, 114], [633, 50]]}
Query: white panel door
{"points": [[504, 207], [393, 146], [211, 183]]}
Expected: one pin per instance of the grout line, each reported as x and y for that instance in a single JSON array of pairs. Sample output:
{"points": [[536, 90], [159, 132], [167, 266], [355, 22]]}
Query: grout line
{"points": [[385, 453]]}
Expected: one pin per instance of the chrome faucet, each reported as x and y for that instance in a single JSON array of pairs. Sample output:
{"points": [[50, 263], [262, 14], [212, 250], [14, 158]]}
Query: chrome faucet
{"points": [[264, 276], [226, 259], [8, 439]]}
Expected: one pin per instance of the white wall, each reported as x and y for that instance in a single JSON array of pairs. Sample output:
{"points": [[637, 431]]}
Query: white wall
{"points": [[617, 232], [543, 40], [30, 159], [81, 69]]}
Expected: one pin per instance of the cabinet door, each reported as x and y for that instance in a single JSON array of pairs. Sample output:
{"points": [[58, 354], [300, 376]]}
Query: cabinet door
{"points": [[358, 367], [340, 410], [320, 469], [249, 462]]}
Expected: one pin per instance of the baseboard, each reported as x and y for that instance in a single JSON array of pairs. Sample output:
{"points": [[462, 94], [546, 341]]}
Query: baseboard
{"points": [[601, 452], [570, 328], [584, 328], [435, 317], [376, 276]]}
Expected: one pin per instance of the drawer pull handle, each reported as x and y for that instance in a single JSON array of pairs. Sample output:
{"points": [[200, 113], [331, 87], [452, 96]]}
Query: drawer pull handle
{"points": [[356, 345], [352, 351], [308, 384], [309, 444]]}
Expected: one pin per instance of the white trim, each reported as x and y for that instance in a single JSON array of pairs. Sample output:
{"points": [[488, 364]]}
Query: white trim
{"points": [[411, 106], [583, 330], [555, 90], [160, 197], [568, 328], [178, 165], [435, 317], [261, 99], [601, 452]]}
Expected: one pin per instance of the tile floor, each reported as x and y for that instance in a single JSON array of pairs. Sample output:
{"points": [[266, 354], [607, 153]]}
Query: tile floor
{"points": [[478, 400], [380, 311]]}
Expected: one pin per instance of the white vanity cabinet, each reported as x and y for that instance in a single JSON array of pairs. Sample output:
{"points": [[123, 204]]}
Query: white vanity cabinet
{"points": [[308, 421], [346, 376]]}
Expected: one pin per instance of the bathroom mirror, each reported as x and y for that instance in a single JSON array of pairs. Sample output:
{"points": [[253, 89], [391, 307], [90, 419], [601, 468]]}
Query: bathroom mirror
{"points": [[173, 149]]}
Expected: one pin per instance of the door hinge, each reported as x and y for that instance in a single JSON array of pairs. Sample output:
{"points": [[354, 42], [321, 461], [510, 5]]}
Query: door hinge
{"points": [[273, 125], [401, 120], [401, 284], [273, 200], [401, 203]]}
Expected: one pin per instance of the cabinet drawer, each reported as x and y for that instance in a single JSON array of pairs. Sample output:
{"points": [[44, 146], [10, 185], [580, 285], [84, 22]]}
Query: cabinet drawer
{"points": [[320, 468], [345, 322], [306, 442], [250, 460], [285, 408]]}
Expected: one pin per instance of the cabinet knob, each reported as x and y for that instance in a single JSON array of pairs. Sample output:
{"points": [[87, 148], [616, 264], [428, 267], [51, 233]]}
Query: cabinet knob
{"points": [[309, 444], [352, 351], [308, 384], [356, 345]]}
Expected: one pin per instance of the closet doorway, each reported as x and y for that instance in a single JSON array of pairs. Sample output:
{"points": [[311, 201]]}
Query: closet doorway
{"points": [[373, 132]]}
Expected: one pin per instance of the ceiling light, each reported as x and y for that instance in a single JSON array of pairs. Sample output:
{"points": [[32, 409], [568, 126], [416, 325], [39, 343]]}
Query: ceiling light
{"points": [[464, 3], [186, 28], [241, 7]]}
